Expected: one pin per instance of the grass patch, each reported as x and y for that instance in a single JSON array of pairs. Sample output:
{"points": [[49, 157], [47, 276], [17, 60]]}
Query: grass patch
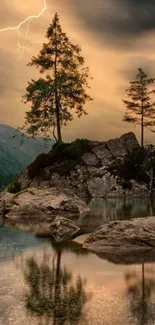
{"points": [[14, 187]]}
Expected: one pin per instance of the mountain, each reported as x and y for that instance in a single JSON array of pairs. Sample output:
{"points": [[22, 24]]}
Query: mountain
{"points": [[17, 151]]}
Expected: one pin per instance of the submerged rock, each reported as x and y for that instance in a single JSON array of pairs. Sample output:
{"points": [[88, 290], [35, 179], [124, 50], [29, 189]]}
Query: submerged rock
{"points": [[120, 237], [63, 229]]}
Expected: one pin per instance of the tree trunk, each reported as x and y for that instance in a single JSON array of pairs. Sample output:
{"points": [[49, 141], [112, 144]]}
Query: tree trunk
{"points": [[59, 136], [142, 130], [142, 119], [57, 105]]}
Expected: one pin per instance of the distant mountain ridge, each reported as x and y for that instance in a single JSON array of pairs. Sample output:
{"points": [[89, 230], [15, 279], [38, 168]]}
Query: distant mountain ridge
{"points": [[17, 151]]}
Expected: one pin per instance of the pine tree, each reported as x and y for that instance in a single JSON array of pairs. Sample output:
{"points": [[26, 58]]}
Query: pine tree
{"points": [[60, 91], [140, 110]]}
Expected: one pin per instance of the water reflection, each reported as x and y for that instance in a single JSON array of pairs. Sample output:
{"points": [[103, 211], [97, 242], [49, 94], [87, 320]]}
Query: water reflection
{"points": [[105, 210], [55, 296], [140, 292], [42, 287]]}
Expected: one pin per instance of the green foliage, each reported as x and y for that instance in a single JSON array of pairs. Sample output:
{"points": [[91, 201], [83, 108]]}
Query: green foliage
{"points": [[64, 167], [55, 96], [14, 187], [60, 146], [77, 148], [135, 166], [140, 109], [63, 157]]}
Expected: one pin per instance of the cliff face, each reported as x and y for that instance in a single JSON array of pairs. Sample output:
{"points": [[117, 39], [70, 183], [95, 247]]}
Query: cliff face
{"points": [[86, 171]]}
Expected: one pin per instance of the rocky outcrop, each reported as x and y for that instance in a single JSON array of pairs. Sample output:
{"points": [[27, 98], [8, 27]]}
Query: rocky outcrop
{"points": [[88, 175], [123, 237]]}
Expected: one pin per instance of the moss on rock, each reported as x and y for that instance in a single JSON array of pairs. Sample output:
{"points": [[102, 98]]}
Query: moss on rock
{"points": [[14, 187]]}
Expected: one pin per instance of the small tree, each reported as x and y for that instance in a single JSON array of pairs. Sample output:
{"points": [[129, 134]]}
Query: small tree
{"points": [[140, 109], [54, 96]]}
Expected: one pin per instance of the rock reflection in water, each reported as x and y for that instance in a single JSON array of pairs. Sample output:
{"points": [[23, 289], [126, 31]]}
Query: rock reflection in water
{"points": [[54, 295], [105, 210]]}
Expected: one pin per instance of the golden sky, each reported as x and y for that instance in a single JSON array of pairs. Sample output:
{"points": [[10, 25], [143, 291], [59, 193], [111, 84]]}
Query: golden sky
{"points": [[117, 37]]}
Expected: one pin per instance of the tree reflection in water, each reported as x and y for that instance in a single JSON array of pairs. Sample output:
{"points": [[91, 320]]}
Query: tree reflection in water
{"points": [[140, 292], [54, 296]]}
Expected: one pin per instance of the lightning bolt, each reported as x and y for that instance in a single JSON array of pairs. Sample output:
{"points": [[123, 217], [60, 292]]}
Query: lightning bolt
{"points": [[21, 47]]}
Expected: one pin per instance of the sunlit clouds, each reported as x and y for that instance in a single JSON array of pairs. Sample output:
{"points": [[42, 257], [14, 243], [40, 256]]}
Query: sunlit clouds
{"points": [[116, 39]]}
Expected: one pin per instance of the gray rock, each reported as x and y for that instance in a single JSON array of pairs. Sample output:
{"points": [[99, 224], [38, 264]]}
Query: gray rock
{"points": [[102, 153], [101, 171], [91, 178], [40, 204], [92, 169], [138, 190], [130, 141], [117, 147], [120, 237], [24, 179], [63, 229], [100, 187], [90, 159]]}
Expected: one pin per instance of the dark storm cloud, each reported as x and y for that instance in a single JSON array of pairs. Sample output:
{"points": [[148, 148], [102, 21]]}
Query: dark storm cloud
{"points": [[130, 72], [120, 21]]}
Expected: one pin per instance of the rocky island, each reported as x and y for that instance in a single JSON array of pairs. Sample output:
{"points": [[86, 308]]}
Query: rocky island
{"points": [[84, 167]]}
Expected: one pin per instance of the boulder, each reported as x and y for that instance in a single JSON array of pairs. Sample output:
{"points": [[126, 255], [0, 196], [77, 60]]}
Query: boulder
{"points": [[44, 204], [62, 229], [130, 141], [90, 159], [101, 186], [102, 153], [116, 147], [123, 237]]}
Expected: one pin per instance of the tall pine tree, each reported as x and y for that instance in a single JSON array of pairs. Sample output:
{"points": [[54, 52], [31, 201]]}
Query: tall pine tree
{"points": [[141, 108], [60, 91]]}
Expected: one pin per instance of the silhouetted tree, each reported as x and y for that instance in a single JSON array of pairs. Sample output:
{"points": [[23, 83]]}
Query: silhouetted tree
{"points": [[140, 109], [58, 93]]}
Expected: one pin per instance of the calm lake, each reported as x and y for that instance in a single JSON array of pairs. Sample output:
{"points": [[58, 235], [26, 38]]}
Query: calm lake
{"points": [[42, 283]]}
